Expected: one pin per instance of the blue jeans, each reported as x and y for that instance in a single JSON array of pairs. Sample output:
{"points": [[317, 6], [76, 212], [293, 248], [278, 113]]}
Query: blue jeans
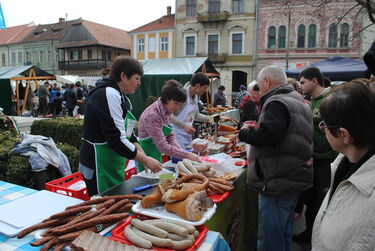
{"points": [[276, 221]]}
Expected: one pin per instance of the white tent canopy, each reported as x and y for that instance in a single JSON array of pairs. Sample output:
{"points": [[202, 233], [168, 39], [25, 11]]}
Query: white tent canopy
{"points": [[69, 79]]}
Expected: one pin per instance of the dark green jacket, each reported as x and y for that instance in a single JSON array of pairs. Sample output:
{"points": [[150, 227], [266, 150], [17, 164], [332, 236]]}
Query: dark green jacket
{"points": [[322, 152]]}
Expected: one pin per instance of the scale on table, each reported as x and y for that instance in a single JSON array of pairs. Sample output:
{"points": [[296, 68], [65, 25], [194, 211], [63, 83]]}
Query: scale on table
{"points": [[207, 128]]}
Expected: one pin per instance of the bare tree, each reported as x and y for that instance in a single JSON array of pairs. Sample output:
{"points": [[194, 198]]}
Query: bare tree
{"points": [[320, 8]]}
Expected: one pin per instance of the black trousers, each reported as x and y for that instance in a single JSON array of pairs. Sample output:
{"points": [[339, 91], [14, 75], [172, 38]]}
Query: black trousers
{"points": [[43, 106], [314, 196]]}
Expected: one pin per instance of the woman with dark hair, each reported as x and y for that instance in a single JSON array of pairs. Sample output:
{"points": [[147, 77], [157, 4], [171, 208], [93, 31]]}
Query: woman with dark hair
{"points": [[346, 219], [155, 134], [108, 138]]}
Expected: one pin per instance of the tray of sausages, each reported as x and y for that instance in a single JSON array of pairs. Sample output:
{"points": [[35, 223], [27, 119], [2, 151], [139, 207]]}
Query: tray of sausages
{"points": [[159, 234]]}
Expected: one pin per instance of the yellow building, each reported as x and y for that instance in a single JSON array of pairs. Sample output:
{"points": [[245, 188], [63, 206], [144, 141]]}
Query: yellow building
{"points": [[156, 39]]}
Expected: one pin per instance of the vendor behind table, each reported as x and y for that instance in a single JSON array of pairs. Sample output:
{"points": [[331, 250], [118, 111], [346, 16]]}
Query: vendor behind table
{"points": [[182, 120], [154, 131], [106, 146]]}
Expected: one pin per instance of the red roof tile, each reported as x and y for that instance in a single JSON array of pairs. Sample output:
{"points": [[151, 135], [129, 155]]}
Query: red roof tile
{"points": [[106, 35], [163, 23], [15, 34]]}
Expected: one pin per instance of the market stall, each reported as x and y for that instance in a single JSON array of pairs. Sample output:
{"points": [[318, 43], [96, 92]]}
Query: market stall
{"points": [[18, 74], [157, 71], [11, 193], [336, 68]]}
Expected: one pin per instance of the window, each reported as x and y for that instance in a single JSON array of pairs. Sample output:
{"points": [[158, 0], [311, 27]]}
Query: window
{"points": [[49, 56], [190, 45], [238, 6], [164, 43], [89, 53], [3, 59], [141, 45], [13, 58], [312, 36], [214, 6], [332, 36], [28, 57], [301, 36], [35, 57], [191, 8], [213, 44], [79, 53], [282, 36], [237, 43], [151, 44], [71, 54], [41, 56], [109, 55], [20, 61], [344, 35], [271, 37]]}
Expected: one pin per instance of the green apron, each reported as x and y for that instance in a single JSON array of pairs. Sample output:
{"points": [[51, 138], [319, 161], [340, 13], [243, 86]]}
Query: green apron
{"points": [[110, 167], [150, 148]]}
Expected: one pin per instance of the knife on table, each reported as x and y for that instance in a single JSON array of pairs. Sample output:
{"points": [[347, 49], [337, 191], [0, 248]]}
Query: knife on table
{"points": [[144, 187]]}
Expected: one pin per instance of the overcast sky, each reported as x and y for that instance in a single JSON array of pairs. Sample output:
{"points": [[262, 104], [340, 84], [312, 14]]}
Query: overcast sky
{"points": [[122, 14]]}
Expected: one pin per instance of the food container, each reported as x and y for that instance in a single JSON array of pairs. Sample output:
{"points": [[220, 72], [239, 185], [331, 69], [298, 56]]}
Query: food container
{"points": [[62, 185], [118, 234], [199, 145], [159, 211]]}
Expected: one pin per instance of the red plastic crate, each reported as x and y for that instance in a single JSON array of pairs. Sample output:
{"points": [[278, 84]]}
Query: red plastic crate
{"points": [[217, 198], [61, 186], [118, 234]]}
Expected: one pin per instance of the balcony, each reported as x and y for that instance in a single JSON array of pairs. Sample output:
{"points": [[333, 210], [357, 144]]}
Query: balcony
{"points": [[207, 17], [83, 64]]}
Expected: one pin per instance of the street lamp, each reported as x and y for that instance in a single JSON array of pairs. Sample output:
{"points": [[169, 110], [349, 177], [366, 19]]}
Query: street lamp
{"points": [[53, 53]]}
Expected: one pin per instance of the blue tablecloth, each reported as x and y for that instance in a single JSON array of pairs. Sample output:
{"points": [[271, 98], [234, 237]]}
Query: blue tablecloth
{"points": [[8, 192]]}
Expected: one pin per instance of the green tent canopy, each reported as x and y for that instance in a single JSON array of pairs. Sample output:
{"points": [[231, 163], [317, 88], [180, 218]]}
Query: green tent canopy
{"points": [[6, 74], [157, 71]]}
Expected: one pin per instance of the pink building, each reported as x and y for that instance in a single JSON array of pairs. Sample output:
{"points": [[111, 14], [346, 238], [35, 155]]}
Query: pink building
{"points": [[313, 33]]}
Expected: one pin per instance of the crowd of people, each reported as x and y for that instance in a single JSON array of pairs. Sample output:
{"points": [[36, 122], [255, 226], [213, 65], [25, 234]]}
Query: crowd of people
{"points": [[51, 100]]}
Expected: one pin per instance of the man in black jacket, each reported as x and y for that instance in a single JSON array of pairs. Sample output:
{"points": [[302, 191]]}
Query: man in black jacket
{"points": [[280, 157], [71, 99], [106, 141]]}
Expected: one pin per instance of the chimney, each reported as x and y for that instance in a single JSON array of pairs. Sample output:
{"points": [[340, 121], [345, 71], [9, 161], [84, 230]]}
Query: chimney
{"points": [[61, 20], [169, 10]]}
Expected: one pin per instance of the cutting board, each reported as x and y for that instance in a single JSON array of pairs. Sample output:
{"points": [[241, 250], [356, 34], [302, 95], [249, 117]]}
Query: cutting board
{"points": [[29, 210]]}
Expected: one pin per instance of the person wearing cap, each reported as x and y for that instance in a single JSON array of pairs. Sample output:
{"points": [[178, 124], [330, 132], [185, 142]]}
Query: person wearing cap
{"points": [[240, 96]]}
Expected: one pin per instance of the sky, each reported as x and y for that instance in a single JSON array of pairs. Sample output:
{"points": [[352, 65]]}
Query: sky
{"points": [[122, 14]]}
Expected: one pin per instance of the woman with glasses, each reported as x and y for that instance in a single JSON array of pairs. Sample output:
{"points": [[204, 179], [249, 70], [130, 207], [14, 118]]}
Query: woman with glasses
{"points": [[346, 219]]}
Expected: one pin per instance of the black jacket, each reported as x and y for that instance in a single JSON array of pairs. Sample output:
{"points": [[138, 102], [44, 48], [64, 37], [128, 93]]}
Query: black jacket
{"points": [[70, 98], [105, 112]]}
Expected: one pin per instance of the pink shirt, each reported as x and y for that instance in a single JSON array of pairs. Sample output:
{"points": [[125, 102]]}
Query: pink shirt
{"points": [[150, 125]]}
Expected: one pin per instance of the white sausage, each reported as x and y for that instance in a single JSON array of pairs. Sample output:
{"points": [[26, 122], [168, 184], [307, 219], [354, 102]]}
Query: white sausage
{"points": [[172, 228], [135, 239], [156, 241], [189, 165], [148, 228], [181, 245]]}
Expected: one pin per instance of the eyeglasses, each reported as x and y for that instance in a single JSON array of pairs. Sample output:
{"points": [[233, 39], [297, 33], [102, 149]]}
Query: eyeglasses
{"points": [[323, 126]]}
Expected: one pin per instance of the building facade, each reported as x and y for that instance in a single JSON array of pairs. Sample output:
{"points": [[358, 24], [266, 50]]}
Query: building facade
{"points": [[89, 47], [155, 40], [302, 34], [11, 48], [223, 30]]}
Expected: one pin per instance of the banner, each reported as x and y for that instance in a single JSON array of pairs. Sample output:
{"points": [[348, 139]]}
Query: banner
{"points": [[2, 20]]}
